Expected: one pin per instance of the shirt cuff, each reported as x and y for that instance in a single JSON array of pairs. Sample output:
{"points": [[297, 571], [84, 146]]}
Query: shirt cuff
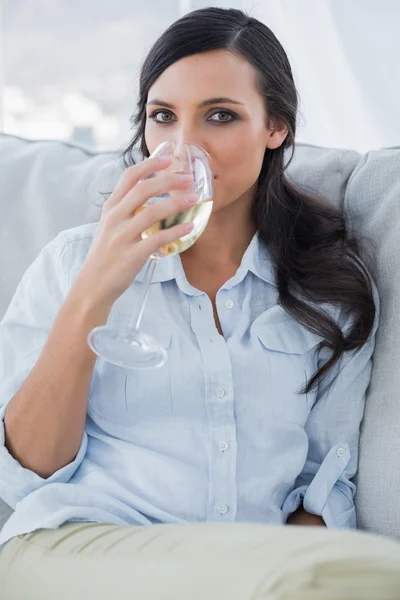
{"points": [[326, 495], [293, 501], [339, 510], [16, 481]]}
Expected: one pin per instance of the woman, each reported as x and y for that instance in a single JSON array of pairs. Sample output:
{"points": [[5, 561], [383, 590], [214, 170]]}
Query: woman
{"points": [[269, 320]]}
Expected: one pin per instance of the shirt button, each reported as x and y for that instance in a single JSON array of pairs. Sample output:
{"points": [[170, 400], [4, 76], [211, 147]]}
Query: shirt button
{"points": [[220, 393], [222, 509], [229, 304], [341, 452], [223, 446]]}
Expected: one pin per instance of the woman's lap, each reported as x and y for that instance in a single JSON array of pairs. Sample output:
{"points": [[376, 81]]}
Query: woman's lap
{"points": [[204, 561]]}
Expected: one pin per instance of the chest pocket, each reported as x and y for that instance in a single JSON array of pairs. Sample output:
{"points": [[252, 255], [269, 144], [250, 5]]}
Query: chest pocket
{"points": [[127, 396], [290, 350]]}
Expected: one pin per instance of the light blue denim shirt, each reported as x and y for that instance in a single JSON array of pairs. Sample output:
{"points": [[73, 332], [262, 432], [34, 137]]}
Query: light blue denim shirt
{"points": [[217, 434]]}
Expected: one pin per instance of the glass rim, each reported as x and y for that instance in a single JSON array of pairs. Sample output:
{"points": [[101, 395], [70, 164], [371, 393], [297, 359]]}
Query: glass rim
{"points": [[174, 143]]}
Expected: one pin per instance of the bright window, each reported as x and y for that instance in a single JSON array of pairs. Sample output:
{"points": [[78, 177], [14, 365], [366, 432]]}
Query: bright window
{"points": [[69, 68]]}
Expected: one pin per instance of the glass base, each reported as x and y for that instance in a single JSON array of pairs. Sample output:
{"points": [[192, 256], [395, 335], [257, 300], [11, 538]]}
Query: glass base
{"points": [[128, 348]]}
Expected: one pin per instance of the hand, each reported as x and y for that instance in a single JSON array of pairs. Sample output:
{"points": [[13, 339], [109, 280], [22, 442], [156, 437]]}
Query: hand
{"points": [[302, 517], [118, 252]]}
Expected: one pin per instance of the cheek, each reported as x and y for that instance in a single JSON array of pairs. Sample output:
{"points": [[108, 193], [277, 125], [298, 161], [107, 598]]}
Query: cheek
{"points": [[242, 161], [150, 137], [154, 135]]}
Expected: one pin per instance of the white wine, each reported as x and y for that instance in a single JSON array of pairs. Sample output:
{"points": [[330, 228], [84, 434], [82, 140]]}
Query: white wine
{"points": [[199, 214]]}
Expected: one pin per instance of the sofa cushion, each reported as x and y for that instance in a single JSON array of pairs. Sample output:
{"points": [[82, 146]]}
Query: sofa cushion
{"points": [[46, 186], [372, 203], [322, 171]]}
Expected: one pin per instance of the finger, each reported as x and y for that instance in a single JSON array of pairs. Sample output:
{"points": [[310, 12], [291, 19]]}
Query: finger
{"points": [[158, 211], [132, 176], [164, 237], [150, 188]]}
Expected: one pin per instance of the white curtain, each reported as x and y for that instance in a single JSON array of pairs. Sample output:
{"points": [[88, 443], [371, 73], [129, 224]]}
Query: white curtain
{"points": [[345, 57]]}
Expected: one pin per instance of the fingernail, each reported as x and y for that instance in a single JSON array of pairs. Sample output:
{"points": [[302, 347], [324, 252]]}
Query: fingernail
{"points": [[164, 159], [190, 199], [188, 227]]}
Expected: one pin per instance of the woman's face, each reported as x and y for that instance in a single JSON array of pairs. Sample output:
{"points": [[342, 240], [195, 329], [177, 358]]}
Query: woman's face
{"points": [[211, 99]]}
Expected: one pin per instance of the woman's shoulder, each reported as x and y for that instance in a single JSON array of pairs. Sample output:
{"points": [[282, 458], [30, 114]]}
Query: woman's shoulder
{"points": [[77, 236], [64, 255], [74, 244]]}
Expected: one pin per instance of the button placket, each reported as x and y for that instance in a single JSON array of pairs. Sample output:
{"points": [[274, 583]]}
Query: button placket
{"points": [[226, 303], [222, 499]]}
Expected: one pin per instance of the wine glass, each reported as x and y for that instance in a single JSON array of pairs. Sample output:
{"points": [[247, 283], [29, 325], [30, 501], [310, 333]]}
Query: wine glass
{"points": [[132, 348]]}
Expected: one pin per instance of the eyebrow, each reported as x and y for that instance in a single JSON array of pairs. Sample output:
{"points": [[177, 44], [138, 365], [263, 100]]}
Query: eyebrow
{"points": [[201, 105]]}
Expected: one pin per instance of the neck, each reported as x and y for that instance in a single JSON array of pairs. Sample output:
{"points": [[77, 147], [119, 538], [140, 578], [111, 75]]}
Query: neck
{"points": [[224, 241]]}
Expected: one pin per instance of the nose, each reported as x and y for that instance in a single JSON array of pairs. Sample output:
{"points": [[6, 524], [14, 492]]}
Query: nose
{"points": [[184, 134], [184, 159], [180, 150], [187, 135]]}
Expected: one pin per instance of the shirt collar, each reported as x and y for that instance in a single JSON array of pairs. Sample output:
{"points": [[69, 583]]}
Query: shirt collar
{"points": [[256, 259], [164, 270]]}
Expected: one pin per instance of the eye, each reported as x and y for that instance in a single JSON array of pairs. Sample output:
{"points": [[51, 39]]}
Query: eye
{"points": [[227, 116], [164, 116]]}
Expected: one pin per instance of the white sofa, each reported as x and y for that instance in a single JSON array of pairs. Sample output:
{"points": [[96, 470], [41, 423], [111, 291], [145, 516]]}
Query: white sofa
{"points": [[49, 186]]}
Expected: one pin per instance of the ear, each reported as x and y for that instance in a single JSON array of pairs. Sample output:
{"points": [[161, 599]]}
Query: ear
{"points": [[277, 133]]}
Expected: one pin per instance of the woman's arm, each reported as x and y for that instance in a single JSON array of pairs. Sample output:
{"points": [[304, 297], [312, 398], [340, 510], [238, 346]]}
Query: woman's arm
{"points": [[302, 517], [325, 488], [46, 367], [44, 421]]}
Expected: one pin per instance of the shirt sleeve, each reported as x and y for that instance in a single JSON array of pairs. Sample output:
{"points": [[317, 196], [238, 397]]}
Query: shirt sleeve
{"points": [[325, 486], [24, 330]]}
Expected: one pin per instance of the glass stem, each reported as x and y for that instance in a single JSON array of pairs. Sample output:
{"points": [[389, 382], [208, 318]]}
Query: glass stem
{"points": [[136, 319]]}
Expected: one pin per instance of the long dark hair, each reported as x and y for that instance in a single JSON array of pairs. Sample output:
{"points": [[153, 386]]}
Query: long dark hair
{"points": [[312, 251]]}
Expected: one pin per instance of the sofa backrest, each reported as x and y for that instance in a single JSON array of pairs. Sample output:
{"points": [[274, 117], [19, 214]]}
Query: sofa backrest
{"points": [[372, 203]]}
